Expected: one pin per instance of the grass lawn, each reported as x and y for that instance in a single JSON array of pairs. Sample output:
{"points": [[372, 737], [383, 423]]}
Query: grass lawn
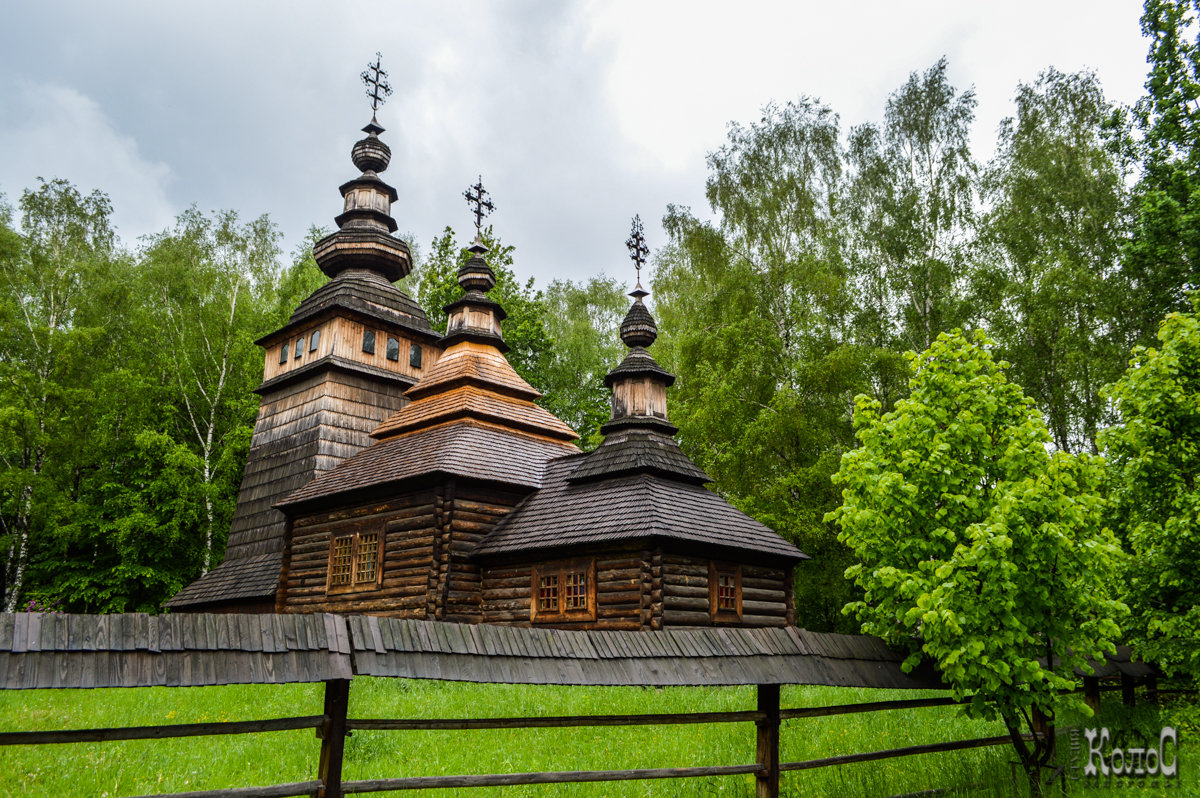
{"points": [[158, 766]]}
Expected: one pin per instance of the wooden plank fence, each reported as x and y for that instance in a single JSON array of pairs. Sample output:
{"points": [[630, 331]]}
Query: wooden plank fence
{"points": [[323, 648]]}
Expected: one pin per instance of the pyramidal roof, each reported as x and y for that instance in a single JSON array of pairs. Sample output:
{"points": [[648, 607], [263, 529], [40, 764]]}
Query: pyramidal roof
{"points": [[471, 415], [638, 484]]}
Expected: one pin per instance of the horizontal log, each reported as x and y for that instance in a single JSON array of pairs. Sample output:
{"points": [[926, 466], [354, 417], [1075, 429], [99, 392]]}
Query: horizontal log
{"points": [[631, 575], [686, 591], [761, 584], [623, 597], [519, 582], [623, 611], [546, 777], [498, 616], [764, 608], [673, 617], [272, 791], [752, 594], [764, 620], [889, 753], [160, 732], [686, 603], [552, 722]]}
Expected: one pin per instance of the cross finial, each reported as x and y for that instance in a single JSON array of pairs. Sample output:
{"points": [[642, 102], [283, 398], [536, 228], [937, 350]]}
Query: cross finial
{"points": [[637, 247], [375, 79], [481, 206]]}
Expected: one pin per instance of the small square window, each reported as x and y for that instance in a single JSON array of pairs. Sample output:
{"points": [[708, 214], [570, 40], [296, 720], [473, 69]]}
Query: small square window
{"points": [[393, 348], [299, 349], [315, 341], [283, 350], [564, 592], [414, 356], [369, 341], [354, 562]]}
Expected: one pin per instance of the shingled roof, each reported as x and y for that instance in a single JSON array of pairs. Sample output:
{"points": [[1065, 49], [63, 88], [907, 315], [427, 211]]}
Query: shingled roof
{"points": [[451, 449], [636, 506]]}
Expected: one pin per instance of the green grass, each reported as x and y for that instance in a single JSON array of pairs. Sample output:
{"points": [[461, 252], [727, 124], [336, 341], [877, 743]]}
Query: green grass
{"points": [[136, 767]]}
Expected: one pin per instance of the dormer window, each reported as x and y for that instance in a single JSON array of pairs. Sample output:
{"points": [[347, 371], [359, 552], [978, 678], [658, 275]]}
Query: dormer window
{"points": [[369, 342], [315, 341], [393, 348], [299, 349], [414, 356]]}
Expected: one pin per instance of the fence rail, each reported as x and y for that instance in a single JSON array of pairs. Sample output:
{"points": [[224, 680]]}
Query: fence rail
{"points": [[334, 726]]}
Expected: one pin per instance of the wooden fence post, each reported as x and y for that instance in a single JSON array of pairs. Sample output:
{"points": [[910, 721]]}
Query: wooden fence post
{"points": [[333, 738], [1127, 689], [1091, 692], [767, 750]]}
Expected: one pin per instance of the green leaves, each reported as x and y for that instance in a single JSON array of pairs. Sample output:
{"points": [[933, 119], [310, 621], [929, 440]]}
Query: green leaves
{"points": [[1155, 454], [976, 547]]}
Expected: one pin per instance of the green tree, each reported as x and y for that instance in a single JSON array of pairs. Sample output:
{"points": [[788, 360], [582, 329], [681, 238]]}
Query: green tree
{"points": [[63, 250], [1048, 284], [911, 204], [752, 312], [583, 320], [1155, 457], [210, 281], [977, 548], [1163, 257]]}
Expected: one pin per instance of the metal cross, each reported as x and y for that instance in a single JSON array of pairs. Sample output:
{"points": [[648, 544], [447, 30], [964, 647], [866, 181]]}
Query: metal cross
{"points": [[375, 80], [477, 199], [637, 247]]}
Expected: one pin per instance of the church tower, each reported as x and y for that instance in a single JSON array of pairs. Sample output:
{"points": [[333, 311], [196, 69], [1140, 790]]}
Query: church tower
{"points": [[331, 375]]}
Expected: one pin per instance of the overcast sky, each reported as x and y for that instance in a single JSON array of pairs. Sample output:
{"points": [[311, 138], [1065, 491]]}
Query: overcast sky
{"points": [[577, 114]]}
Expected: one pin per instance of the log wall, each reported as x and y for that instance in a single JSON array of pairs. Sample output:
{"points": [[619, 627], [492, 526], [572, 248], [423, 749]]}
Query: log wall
{"points": [[409, 527], [686, 602], [620, 589]]}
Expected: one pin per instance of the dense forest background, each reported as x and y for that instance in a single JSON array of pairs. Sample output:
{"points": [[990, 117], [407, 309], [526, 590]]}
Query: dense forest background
{"points": [[126, 371]]}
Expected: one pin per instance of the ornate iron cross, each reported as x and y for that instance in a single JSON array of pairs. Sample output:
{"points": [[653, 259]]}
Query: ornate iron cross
{"points": [[637, 247], [477, 200], [375, 80]]}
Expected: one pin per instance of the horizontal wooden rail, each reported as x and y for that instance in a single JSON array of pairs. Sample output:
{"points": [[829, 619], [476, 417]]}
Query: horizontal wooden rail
{"points": [[272, 791], [871, 706], [160, 732], [910, 750], [545, 777], [562, 721]]}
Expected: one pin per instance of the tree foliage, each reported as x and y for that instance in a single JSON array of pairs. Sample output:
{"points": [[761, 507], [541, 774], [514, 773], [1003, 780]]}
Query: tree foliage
{"points": [[1155, 455], [1048, 284], [977, 548]]}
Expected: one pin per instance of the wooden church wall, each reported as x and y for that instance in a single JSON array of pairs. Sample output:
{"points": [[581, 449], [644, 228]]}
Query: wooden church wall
{"points": [[766, 593], [624, 585], [467, 513], [408, 526]]}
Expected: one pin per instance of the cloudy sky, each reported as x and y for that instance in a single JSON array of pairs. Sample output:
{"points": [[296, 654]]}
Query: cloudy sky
{"points": [[577, 114]]}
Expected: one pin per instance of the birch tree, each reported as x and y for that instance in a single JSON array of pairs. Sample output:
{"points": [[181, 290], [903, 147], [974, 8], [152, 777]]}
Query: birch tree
{"points": [[44, 271], [209, 279]]}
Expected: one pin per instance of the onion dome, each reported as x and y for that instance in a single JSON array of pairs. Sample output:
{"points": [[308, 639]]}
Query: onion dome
{"points": [[639, 328]]}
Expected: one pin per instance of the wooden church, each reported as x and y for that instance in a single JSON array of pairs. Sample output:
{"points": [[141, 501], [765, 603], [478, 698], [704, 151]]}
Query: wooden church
{"points": [[398, 471]]}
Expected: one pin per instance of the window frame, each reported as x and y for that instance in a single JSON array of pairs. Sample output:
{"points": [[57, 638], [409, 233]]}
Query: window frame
{"points": [[357, 548], [560, 569], [716, 570]]}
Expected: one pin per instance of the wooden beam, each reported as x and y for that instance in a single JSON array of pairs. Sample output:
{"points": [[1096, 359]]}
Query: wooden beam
{"points": [[443, 724], [159, 732], [333, 738], [545, 777], [273, 791], [870, 706], [767, 748], [894, 752]]}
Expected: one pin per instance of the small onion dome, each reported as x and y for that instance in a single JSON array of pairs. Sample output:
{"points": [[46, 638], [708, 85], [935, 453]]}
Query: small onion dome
{"points": [[639, 328], [475, 274], [371, 154]]}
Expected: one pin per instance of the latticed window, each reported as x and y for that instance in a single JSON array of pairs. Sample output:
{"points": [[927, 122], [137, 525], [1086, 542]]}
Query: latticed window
{"points": [[548, 593], [564, 591], [340, 561], [354, 562], [725, 592], [368, 553], [575, 592]]}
